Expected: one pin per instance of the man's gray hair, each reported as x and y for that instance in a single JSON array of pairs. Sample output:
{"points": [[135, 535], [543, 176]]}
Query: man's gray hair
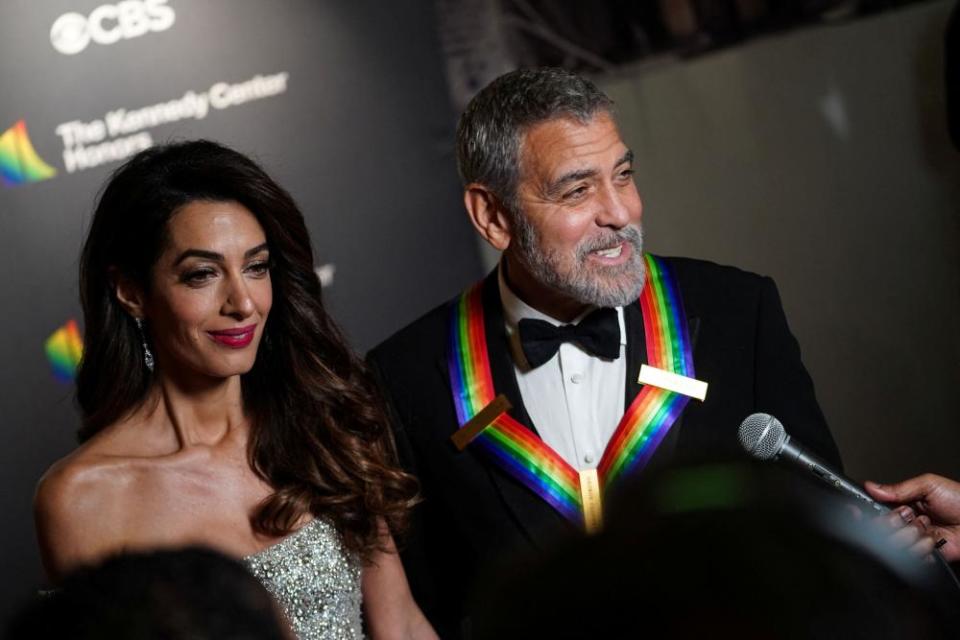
{"points": [[491, 127]]}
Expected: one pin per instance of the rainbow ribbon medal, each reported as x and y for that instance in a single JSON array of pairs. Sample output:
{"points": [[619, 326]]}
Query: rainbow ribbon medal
{"points": [[521, 453]]}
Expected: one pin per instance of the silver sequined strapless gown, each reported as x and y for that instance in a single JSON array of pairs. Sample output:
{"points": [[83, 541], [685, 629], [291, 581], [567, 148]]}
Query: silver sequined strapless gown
{"points": [[315, 580]]}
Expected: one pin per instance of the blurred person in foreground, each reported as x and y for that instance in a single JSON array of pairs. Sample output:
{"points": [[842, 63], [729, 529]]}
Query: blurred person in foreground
{"points": [[725, 551], [221, 405], [188, 594], [564, 354]]}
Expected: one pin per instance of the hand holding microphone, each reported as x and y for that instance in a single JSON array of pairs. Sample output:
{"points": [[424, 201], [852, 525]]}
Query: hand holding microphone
{"points": [[936, 498], [763, 437]]}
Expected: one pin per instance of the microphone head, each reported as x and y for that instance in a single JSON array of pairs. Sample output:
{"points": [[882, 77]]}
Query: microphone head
{"points": [[762, 436]]}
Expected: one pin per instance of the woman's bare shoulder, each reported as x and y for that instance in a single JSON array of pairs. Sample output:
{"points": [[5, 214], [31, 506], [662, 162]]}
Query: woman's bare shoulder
{"points": [[102, 468], [78, 504], [82, 476]]}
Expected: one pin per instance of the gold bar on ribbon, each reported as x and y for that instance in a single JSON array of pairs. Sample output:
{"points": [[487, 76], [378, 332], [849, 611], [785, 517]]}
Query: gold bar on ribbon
{"points": [[465, 434], [590, 496], [683, 385]]}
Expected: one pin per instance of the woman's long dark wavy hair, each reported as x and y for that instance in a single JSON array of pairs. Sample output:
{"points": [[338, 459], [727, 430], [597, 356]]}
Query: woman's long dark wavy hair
{"points": [[319, 433]]}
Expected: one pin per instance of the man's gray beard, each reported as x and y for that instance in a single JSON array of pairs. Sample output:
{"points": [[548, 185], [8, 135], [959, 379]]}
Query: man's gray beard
{"points": [[614, 287]]}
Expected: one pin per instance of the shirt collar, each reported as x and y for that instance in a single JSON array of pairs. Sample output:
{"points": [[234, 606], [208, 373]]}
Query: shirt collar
{"points": [[515, 310]]}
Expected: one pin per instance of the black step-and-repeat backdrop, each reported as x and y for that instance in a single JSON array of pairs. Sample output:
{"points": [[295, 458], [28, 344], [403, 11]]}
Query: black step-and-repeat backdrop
{"points": [[345, 104]]}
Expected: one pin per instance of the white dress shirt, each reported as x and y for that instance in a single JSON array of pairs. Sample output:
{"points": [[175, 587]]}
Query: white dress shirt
{"points": [[575, 400]]}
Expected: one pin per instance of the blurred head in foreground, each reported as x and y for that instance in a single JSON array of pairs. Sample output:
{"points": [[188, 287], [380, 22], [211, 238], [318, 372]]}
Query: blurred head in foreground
{"points": [[724, 551], [194, 594]]}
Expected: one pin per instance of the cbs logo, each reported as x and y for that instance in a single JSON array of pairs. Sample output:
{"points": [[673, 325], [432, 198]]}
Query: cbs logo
{"points": [[110, 23]]}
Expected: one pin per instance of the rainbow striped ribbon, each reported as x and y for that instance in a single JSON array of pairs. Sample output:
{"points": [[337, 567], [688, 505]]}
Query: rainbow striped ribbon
{"points": [[525, 456]]}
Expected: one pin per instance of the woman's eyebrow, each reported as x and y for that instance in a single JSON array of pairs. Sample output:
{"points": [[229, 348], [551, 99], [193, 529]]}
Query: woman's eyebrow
{"points": [[213, 255]]}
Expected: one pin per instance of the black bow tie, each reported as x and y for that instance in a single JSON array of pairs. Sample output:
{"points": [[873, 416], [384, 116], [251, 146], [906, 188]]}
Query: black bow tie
{"points": [[598, 333]]}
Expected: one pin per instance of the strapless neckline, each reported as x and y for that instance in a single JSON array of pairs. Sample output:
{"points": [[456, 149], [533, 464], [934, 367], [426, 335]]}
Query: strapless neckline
{"points": [[284, 540], [315, 580]]}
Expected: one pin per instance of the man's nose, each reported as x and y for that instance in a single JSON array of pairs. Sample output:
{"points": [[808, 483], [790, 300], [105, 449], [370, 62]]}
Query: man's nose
{"points": [[617, 208]]}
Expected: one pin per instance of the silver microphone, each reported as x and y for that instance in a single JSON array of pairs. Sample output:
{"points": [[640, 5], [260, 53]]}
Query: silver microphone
{"points": [[764, 438]]}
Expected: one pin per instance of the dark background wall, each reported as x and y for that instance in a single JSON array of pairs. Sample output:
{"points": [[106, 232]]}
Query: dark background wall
{"points": [[817, 156], [361, 137]]}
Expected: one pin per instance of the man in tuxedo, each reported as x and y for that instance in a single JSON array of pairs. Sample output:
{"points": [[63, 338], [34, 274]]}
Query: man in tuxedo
{"points": [[549, 182]]}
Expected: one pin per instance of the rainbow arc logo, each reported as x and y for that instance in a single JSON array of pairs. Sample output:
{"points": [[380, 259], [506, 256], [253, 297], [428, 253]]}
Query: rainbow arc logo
{"points": [[64, 349], [19, 161]]}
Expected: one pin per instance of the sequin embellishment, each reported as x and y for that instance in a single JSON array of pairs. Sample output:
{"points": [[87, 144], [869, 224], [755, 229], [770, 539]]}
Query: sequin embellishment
{"points": [[315, 581]]}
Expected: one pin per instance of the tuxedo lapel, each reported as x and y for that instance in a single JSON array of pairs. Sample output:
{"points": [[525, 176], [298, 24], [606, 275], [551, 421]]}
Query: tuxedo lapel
{"points": [[498, 350], [534, 516], [637, 356], [636, 350]]}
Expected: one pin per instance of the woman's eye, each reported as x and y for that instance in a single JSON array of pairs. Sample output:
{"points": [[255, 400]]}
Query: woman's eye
{"points": [[259, 269], [198, 276]]}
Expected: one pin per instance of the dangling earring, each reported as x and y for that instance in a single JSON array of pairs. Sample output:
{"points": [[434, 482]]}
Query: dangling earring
{"points": [[147, 355]]}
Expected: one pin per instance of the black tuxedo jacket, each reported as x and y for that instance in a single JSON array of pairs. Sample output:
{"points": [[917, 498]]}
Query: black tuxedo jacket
{"points": [[473, 516]]}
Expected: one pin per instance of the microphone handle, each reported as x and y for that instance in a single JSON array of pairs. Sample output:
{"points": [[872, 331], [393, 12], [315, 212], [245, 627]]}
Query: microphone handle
{"points": [[804, 459], [798, 455]]}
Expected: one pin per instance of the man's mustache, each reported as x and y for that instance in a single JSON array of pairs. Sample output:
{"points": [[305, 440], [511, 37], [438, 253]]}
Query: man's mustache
{"points": [[631, 234]]}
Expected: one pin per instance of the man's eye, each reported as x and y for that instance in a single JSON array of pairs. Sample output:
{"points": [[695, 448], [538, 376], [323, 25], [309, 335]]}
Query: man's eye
{"points": [[575, 194], [626, 174]]}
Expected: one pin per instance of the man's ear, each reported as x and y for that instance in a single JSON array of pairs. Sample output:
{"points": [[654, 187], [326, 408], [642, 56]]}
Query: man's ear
{"points": [[129, 293], [488, 215]]}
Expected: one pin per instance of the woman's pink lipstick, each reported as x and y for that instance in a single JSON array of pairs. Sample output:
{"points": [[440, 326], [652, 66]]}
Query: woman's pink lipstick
{"points": [[234, 338]]}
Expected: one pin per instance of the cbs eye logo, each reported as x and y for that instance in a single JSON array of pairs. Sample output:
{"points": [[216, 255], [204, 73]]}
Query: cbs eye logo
{"points": [[110, 23]]}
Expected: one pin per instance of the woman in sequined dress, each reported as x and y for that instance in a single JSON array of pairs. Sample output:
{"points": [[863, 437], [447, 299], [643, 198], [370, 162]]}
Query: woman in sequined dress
{"points": [[221, 405]]}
